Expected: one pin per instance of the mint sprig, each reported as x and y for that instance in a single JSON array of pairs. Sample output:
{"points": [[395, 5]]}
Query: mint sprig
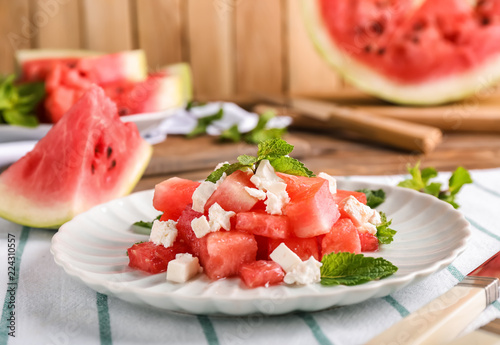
{"points": [[420, 181], [374, 198], [18, 102], [353, 269], [204, 122], [146, 226], [275, 151], [385, 234]]}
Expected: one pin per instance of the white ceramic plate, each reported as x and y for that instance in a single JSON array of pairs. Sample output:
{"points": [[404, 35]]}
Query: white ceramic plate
{"points": [[144, 122], [92, 248]]}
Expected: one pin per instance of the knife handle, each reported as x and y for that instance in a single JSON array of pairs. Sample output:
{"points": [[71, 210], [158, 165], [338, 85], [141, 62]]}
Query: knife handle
{"points": [[487, 335], [441, 320]]}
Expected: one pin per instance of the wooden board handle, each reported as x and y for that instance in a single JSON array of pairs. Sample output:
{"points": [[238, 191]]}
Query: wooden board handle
{"points": [[394, 132], [444, 318]]}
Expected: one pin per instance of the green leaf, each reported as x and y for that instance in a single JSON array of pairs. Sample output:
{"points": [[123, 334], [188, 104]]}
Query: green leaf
{"points": [[247, 160], [204, 122], [385, 234], [353, 269], [460, 177], [289, 165], [256, 137], [416, 181], [427, 174], [374, 198], [146, 225], [433, 189], [14, 117], [231, 134], [191, 104], [273, 148], [226, 168]]}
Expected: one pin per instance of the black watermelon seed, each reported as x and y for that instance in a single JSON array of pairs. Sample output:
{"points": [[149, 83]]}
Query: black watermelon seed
{"points": [[109, 151], [113, 164], [485, 21], [381, 51]]}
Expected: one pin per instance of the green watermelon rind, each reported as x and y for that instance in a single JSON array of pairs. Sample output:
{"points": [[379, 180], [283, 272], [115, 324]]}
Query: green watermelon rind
{"points": [[183, 71], [13, 205], [446, 90]]}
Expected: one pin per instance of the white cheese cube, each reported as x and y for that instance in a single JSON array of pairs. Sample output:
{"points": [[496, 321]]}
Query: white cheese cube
{"points": [[183, 268], [256, 193], [375, 219], [163, 233], [202, 194], [265, 179], [332, 183], [200, 226], [367, 227], [306, 272], [218, 217], [285, 257], [358, 212], [265, 176]]}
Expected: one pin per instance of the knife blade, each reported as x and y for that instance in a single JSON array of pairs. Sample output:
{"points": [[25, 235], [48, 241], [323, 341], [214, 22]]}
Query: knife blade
{"points": [[442, 319]]}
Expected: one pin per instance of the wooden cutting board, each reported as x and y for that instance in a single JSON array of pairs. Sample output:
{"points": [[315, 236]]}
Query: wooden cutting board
{"points": [[179, 154]]}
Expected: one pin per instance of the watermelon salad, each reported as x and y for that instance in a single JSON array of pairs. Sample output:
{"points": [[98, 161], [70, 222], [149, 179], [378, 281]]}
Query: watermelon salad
{"points": [[266, 219], [67, 74]]}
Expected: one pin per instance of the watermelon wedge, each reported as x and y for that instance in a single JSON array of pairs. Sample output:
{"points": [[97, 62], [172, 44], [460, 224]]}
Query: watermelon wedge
{"points": [[410, 51], [123, 76], [87, 158]]}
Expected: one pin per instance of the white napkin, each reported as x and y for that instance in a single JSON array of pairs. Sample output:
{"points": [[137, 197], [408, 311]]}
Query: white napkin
{"points": [[53, 308], [181, 122]]}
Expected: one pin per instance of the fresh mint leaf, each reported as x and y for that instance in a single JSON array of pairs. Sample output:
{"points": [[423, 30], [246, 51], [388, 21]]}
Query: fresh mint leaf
{"points": [[226, 168], [255, 137], [421, 181], [146, 226], [385, 234], [433, 189], [191, 104], [460, 177], [247, 160], [353, 269], [18, 102], [204, 122], [291, 166], [273, 148], [231, 134], [374, 198]]}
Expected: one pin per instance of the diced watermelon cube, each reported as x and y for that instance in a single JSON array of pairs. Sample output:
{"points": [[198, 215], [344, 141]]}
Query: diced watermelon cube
{"points": [[171, 196], [303, 247], [343, 237], [153, 258], [261, 273], [231, 194], [263, 224], [342, 194], [369, 242], [226, 251], [313, 211], [297, 184], [185, 231]]}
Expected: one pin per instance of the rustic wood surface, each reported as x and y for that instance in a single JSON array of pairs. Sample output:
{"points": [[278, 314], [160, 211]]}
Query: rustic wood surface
{"points": [[337, 153]]}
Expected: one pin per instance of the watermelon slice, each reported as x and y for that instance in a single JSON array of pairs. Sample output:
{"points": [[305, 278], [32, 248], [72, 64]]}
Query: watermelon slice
{"points": [[87, 158], [408, 51], [123, 76]]}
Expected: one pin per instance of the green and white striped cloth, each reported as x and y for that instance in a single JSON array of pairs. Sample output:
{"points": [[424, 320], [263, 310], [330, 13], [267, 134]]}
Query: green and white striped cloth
{"points": [[53, 308]]}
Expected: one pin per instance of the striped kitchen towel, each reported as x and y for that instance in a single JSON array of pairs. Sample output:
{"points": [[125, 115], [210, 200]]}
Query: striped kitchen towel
{"points": [[44, 305]]}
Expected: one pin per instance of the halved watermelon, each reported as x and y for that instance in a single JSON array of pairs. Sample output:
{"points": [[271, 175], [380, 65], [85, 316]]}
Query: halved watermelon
{"points": [[87, 158], [410, 51]]}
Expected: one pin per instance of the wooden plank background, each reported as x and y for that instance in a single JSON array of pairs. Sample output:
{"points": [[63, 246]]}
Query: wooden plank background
{"points": [[236, 48]]}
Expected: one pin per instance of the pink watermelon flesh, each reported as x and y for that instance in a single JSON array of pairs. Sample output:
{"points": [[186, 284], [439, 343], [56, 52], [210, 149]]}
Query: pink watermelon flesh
{"points": [[414, 45], [87, 158]]}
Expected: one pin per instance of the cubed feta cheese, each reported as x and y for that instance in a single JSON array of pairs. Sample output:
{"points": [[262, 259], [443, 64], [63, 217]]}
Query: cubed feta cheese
{"points": [[332, 183], [358, 212], [375, 219], [163, 233], [200, 226], [218, 217], [265, 179], [367, 227], [306, 272], [183, 268], [256, 193], [202, 194], [285, 257]]}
